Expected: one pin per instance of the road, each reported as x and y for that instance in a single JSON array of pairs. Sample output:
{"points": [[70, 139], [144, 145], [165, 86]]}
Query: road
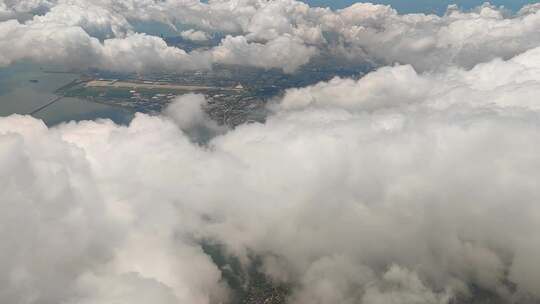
{"points": [[55, 99], [153, 85]]}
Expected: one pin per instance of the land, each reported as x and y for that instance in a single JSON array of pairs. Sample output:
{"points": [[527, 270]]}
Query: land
{"points": [[235, 94], [231, 104], [149, 85], [248, 284]]}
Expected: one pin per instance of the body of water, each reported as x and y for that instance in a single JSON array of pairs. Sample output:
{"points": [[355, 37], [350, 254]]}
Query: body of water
{"points": [[26, 87]]}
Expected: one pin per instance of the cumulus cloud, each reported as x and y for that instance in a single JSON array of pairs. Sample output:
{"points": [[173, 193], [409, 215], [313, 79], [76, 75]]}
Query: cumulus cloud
{"points": [[428, 41], [289, 28], [69, 243], [283, 52], [398, 86], [72, 47], [26, 6], [83, 34], [4, 13], [188, 112], [371, 32], [400, 187], [195, 35], [97, 21]]}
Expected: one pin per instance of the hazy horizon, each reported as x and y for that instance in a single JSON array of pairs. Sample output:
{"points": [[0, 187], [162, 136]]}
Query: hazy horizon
{"points": [[425, 6]]}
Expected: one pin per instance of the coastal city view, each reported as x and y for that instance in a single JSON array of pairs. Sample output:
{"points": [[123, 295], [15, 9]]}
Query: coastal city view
{"points": [[235, 94], [269, 152]]}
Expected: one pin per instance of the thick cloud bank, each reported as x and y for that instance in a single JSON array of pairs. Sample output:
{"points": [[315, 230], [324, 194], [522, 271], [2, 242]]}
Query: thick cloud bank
{"points": [[400, 187], [415, 184], [283, 34], [73, 47]]}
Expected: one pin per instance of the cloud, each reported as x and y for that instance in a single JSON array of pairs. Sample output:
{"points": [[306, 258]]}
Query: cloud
{"points": [[289, 33], [397, 187], [72, 47], [97, 21], [188, 112], [53, 220], [195, 35], [428, 41], [79, 34], [399, 86], [64, 240], [284, 52], [4, 13], [371, 32], [141, 52], [402, 286], [26, 6]]}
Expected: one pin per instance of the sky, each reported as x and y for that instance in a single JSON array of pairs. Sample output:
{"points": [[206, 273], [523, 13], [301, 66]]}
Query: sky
{"points": [[424, 6]]}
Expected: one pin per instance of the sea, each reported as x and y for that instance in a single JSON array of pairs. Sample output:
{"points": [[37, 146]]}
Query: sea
{"points": [[25, 87]]}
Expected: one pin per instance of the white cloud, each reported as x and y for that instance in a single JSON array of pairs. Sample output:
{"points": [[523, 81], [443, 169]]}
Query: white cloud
{"points": [[195, 35], [187, 111], [74, 48], [4, 13], [26, 6], [285, 52], [142, 53], [399, 186], [68, 34], [402, 286], [373, 33], [484, 85], [95, 20]]}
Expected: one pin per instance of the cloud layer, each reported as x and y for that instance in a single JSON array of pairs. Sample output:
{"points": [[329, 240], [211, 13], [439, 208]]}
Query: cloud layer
{"points": [[416, 183], [282, 34], [400, 187]]}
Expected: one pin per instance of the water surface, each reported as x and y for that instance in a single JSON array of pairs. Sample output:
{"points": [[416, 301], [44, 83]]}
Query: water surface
{"points": [[26, 87]]}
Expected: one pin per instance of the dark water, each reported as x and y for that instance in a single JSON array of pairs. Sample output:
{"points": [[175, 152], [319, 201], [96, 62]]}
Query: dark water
{"points": [[26, 87]]}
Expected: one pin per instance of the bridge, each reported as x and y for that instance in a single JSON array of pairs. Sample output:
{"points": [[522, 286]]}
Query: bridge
{"points": [[36, 110]]}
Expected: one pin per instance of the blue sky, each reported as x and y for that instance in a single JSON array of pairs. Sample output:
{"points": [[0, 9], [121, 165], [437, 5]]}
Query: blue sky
{"points": [[438, 6]]}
